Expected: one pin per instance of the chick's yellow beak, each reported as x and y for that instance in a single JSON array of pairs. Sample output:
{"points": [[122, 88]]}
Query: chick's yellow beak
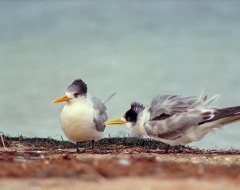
{"points": [[61, 99], [114, 122]]}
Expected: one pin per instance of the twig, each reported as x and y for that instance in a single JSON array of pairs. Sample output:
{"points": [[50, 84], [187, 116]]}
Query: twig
{"points": [[3, 143]]}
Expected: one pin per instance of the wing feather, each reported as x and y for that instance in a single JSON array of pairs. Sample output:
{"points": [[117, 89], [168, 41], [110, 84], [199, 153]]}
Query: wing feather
{"points": [[100, 115], [169, 105], [183, 120]]}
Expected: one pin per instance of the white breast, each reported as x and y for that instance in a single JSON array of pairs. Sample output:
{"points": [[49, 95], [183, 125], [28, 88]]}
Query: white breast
{"points": [[77, 121], [138, 128]]}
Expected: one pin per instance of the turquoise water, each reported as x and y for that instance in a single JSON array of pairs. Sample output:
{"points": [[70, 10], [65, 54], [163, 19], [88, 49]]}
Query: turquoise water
{"points": [[137, 49]]}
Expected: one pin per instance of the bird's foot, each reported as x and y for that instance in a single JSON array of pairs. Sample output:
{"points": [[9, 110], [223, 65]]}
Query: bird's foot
{"points": [[175, 149], [93, 144], [178, 149], [83, 150], [167, 150], [80, 151]]}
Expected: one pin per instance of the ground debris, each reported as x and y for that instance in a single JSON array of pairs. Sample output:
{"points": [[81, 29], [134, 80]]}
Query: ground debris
{"points": [[111, 158], [110, 145]]}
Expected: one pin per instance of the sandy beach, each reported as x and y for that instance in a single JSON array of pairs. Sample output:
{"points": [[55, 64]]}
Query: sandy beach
{"points": [[122, 164]]}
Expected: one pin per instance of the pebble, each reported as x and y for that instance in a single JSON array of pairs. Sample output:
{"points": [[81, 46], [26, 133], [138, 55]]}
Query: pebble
{"points": [[124, 162]]}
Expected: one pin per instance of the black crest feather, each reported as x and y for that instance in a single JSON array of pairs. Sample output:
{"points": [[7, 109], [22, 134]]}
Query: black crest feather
{"points": [[78, 86], [137, 107], [132, 114]]}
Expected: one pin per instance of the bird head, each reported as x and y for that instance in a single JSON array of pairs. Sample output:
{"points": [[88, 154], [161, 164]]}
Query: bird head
{"points": [[77, 89], [130, 117]]}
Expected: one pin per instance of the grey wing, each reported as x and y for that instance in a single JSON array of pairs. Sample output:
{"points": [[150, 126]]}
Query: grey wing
{"points": [[100, 115], [178, 124], [169, 105], [172, 127]]}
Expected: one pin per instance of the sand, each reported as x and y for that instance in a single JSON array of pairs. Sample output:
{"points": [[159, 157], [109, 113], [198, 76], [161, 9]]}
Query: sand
{"points": [[114, 164]]}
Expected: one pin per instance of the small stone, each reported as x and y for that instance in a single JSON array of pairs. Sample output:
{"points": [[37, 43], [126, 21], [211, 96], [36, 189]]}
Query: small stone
{"points": [[124, 162]]}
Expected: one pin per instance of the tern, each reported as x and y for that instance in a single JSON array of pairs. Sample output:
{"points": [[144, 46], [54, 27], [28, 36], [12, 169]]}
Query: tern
{"points": [[83, 115], [177, 120]]}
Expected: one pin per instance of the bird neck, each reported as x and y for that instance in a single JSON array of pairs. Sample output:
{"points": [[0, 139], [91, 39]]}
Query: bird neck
{"points": [[82, 100]]}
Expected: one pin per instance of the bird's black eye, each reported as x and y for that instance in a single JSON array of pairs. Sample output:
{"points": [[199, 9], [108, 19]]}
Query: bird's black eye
{"points": [[131, 116], [128, 119], [76, 94]]}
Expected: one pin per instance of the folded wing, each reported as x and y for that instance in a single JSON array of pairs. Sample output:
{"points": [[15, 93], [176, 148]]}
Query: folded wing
{"points": [[181, 115], [169, 105], [100, 115]]}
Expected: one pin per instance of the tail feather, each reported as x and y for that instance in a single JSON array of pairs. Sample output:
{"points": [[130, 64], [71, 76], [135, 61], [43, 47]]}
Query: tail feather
{"points": [[204, 102], [212, 99], [231, 119], [209, 125], [107, 99], [225, 112]]}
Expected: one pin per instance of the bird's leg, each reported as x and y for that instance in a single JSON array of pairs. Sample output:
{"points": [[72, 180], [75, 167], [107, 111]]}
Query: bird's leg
{"points": [[174, 148], [178, 149], [78, 151], [181, 148], [93, 143], [143, 144], [166, 150]]}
